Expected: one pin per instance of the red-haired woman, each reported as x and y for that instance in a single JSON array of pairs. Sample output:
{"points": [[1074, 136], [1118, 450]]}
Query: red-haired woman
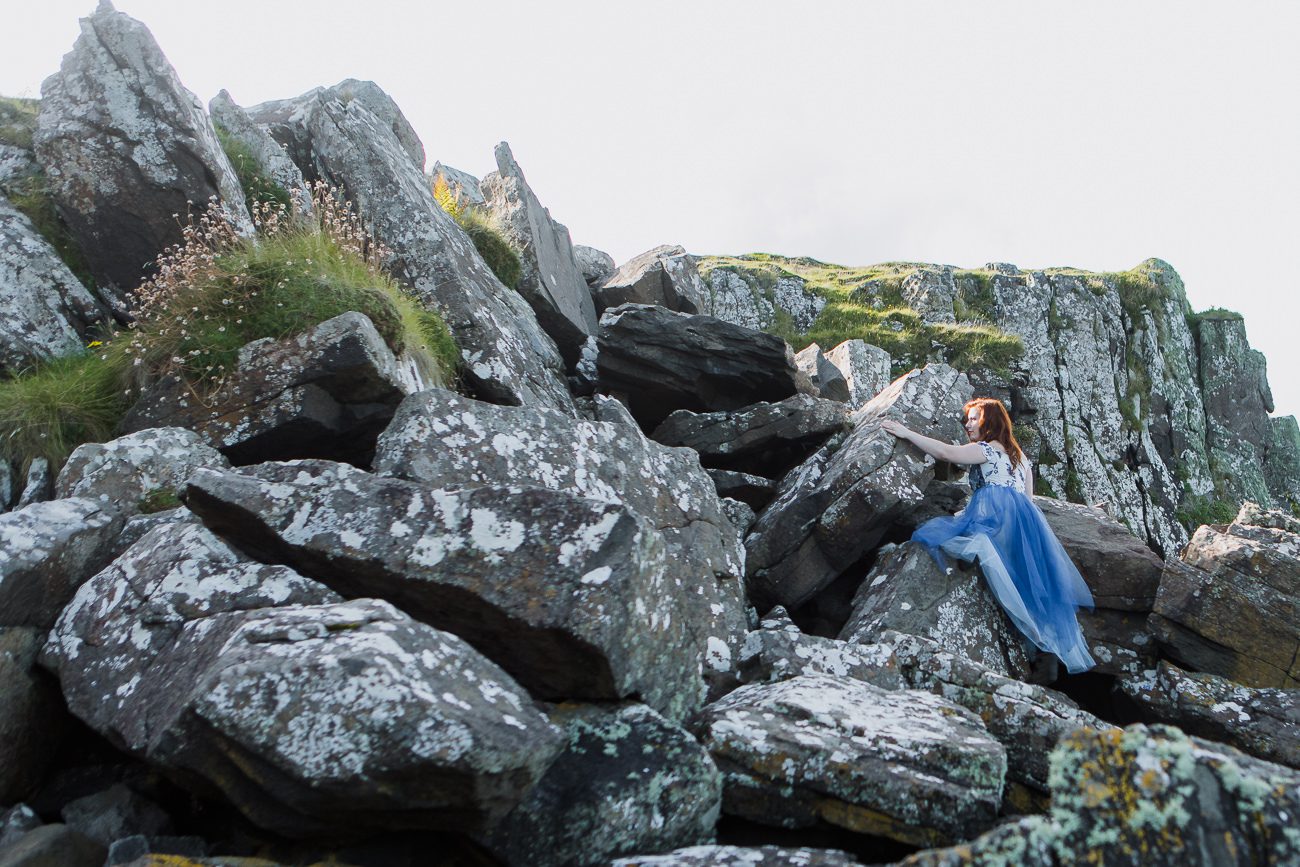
{"points": [[1024, 563]]}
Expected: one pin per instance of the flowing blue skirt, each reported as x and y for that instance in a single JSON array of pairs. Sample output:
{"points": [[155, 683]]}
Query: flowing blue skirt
{"points": [[1026, 567]]}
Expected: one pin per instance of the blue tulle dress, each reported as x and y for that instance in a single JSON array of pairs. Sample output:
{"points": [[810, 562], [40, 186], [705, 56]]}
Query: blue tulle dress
{"points": [[1025, 565]]}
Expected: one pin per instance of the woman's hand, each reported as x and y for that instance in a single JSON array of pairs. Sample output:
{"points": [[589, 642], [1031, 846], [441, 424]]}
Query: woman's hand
{"points": [[897, 428]]}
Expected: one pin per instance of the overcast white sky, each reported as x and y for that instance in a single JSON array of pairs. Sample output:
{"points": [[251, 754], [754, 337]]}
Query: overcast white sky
{"points": [[1040, 133]]}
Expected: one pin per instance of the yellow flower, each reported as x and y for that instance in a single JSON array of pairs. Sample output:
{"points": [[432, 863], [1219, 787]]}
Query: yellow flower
{"points": [[92, 344]]}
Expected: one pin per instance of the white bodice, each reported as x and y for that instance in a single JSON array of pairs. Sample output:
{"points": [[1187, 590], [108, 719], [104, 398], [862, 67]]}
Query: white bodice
{"points": [[997, 470]]}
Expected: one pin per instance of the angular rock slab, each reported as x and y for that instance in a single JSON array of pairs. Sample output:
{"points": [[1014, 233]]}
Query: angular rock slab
{"points": [[1230, 605], [825, 376], [325, 393], [865, 368], [664, 361], [905, 765], [551, 280], [1121, 642], [32, 717], [126, 148], [779, 651], [47, 550], [837, 505], [627, 781], [907, 592], [45, 312], [1120, 570], [570, 595], [442, 439], [594, 264], [268, 157], [665, 276], [1262, 722], [741, 856], [124, 472], [334, 135]]}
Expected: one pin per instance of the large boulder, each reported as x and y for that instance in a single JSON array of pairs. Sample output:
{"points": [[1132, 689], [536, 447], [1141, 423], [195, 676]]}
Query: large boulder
{"points": [[268, 158], [44, 310], [664, 361], [825, 376], [47, 550], [866, 369], [32, 717], [309, 715], [905, 765], [594, 264], [665, 276], [325, 393], [551, 280], [836, 506], [1120, 570], [345, 135], [137, 472], [126, 148], [1282, 463], [572, 596], [444, 440], [462, 185]]}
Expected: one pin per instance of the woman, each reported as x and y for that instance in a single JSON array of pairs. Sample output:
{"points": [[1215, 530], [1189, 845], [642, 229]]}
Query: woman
{"points": [[1024, 563]]}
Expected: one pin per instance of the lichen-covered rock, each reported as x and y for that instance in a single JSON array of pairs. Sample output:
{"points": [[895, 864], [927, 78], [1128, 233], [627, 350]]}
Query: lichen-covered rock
{"points": [[825, 376], [664, 361], [333, 135], [1234, 386], [779, 651], [462, 185], [550, 279], [627, 781], [38, 486], [45, 312], [755, 491], [47, 550], [325, 393], [665, 276], [1121, 642], [907, 592], [865, 368], [442, 439], [1282, 463], [742, 297], [126, 148], [742, 856], [571, 595], [905, 765], [765, 438], [837, 505], [137, 472], [1023, 842], [931, 291], [594, 264], [1262, 722], [269, 159], [32, 717]]}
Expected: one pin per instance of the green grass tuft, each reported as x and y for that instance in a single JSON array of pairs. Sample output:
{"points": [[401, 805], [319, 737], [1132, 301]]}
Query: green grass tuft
{"points": [[158, 500], [1206, 510], [488, 239], [257, 187], [18, 121]]}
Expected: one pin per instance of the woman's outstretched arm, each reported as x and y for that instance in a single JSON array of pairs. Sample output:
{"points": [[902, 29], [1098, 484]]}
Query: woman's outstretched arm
{"points": [[970, 453]]}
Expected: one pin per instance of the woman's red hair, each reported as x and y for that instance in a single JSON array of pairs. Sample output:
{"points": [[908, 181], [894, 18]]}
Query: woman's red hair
{"points": [[995, 424]]}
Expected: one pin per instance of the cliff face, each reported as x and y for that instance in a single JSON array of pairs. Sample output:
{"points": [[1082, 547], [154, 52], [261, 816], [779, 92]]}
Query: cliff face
{"points": [[1119, 391]]}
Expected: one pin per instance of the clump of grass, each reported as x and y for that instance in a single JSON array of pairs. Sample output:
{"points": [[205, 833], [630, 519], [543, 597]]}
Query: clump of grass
{"points": [[257, 187], [18, 121], [158, 500], [1205, 510], [488, 239]]}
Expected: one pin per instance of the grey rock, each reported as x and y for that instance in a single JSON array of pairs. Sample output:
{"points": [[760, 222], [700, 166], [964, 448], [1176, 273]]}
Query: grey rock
{"points": [[837, 505], [930, 291], [268, 157], [1234, 385], [741, 856], [665, 276], [594, 264], [1121, 642], [115, 813], [331, 136], [45, 312], [462, 184], [764, 438], [825, 376], [755, 491], [383, 107], [47, 550], [138, 526], [1282, 463], [741, 514], [15, 822], [39, 484], [1025, 842], [627, 781], [755, 298], [53, 846], [906, 765], [17, 164], [571, 595], [130, 471], [1262, 722], [139, 850], [126, 147], [907, 592], [32, 723], [550, 279], [664, 361], [865, 368], [779, 651], [7, 492], [325, 393], [1120, 570]]}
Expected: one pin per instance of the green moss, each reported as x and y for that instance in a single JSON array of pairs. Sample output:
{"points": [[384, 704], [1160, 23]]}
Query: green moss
{"points": [[975, 300], [1198, 511], [494, 248], [1218, 314], [1043, 488], [18, 121], [1073, 486], [257, 186], [158, 500]]}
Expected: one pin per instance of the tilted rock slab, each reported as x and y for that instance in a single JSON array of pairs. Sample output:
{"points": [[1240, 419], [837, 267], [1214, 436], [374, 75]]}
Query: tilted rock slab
{"points": [[826, 377], [45, 312], [765, 438], [47, 550], [124, 472], [305, 713], [754, 491], [127, 148], [325, 393], [866, 369], [905, 765], [1262, 722], [1118, 567], [347, 139], [742, 856], [570, 595], [1282, 462], [268, 157], [551, 280], [837, 505], [1231, 605], [444, 440], [664, 361], [665, 276], [777, 650], [627, 781], [1122, 643]]}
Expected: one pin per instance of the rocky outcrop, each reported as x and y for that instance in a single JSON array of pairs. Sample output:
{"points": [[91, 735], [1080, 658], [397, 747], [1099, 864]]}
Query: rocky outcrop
{"points": [[1234, 385], [756, 298], [866, 369], [327, 393], [44, 310], [1282, 464], [665, 276], [594, 264], [550, 278], [137, 472], [825, 377], [837, 506], [268, 158], [126, 148], [331, 135]]}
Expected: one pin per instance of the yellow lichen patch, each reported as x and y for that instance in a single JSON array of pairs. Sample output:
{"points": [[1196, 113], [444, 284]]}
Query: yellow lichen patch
{"points": [[864, 820]]}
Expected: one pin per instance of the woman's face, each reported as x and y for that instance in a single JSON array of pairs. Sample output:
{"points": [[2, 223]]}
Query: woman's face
{"points": [[972, 424]]}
